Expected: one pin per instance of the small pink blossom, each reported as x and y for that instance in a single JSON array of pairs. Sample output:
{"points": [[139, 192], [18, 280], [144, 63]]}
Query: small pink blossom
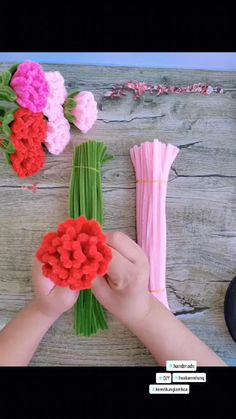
{"points": [[32, 188]]}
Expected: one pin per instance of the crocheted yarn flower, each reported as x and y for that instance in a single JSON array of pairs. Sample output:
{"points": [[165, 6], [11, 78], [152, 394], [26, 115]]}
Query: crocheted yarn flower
{"points": [[57, 94], [28, 131], [81, 110], [75, 254], [29, 162], [58, 135], [29, 127], [30, 86]]}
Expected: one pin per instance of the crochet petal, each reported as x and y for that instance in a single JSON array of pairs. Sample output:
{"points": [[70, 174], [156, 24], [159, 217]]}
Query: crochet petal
{"points": [[30, 86], [85, 111], [58, 135]]}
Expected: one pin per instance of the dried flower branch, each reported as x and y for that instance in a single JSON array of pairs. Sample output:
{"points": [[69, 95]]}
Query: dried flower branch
{"points": [[139, 88]]}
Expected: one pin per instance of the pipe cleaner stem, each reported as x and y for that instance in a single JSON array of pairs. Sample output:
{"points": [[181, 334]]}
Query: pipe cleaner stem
{"points": [[152, 162], [86, 199]]}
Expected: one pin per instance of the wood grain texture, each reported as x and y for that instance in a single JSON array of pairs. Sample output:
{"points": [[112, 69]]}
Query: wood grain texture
{"points": [[201, 208]]}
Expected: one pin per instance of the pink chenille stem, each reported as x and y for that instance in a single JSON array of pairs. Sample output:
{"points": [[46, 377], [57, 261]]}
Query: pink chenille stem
{"points": [[152, 162]]}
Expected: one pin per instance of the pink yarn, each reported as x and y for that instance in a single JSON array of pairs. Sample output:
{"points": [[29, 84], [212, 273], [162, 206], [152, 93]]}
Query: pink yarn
{"points": [[152, 162], [30, 86], [57, 94], [58, 135], [85, 111]]}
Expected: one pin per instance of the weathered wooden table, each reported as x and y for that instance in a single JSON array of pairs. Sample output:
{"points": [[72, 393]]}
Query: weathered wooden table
{"points": [[201, 208]]}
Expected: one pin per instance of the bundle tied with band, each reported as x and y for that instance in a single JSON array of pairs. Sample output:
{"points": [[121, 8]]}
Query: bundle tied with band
{"points": [[152, 162], [77, 252]]}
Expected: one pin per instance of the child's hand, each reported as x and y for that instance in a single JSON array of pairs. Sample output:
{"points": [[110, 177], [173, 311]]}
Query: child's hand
{"points": [[51, 299], [124, 290]]}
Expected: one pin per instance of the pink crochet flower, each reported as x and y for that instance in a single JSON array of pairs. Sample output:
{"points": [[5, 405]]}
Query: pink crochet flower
{"points": [[85, 111], [57, 94], [58, 134], [30, 86]]}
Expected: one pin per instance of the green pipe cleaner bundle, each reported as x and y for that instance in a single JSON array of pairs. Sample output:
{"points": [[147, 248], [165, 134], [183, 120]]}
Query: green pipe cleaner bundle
{"points": [[85, 198]]}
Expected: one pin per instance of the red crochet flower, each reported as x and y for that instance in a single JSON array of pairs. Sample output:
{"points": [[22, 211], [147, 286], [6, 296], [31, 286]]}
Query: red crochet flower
{"points": [[29, 131], [28, 128], [75, 254], [28, 162]]}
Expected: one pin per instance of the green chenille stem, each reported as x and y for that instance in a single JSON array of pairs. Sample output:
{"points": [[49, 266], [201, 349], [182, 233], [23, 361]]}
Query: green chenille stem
{"points": [[86, 198]]}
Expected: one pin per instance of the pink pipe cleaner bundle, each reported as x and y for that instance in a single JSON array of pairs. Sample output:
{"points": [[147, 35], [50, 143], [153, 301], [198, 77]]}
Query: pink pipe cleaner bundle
{"points": [[39, 115], [152, 162]]}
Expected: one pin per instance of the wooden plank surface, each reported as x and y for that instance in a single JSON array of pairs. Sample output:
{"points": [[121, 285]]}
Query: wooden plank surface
{"points": [[201, 208]]}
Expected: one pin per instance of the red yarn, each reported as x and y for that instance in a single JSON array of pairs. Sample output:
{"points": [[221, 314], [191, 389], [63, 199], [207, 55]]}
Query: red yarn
{"points": [[75, 254], [28, 162], [29, 131], [28, 126]]}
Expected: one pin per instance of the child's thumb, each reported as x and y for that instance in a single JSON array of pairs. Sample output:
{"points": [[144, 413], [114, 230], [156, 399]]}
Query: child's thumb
{"points": [[102, 290], [64, 293]]}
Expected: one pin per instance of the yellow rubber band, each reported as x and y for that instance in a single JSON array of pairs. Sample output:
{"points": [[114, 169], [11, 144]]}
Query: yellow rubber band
{"points": [[151, 181], [159, 290], [87, 167]]}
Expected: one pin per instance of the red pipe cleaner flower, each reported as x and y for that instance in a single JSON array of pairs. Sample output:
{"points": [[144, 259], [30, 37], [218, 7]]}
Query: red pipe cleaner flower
{"points": [[29, 131], [75, 254]]}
